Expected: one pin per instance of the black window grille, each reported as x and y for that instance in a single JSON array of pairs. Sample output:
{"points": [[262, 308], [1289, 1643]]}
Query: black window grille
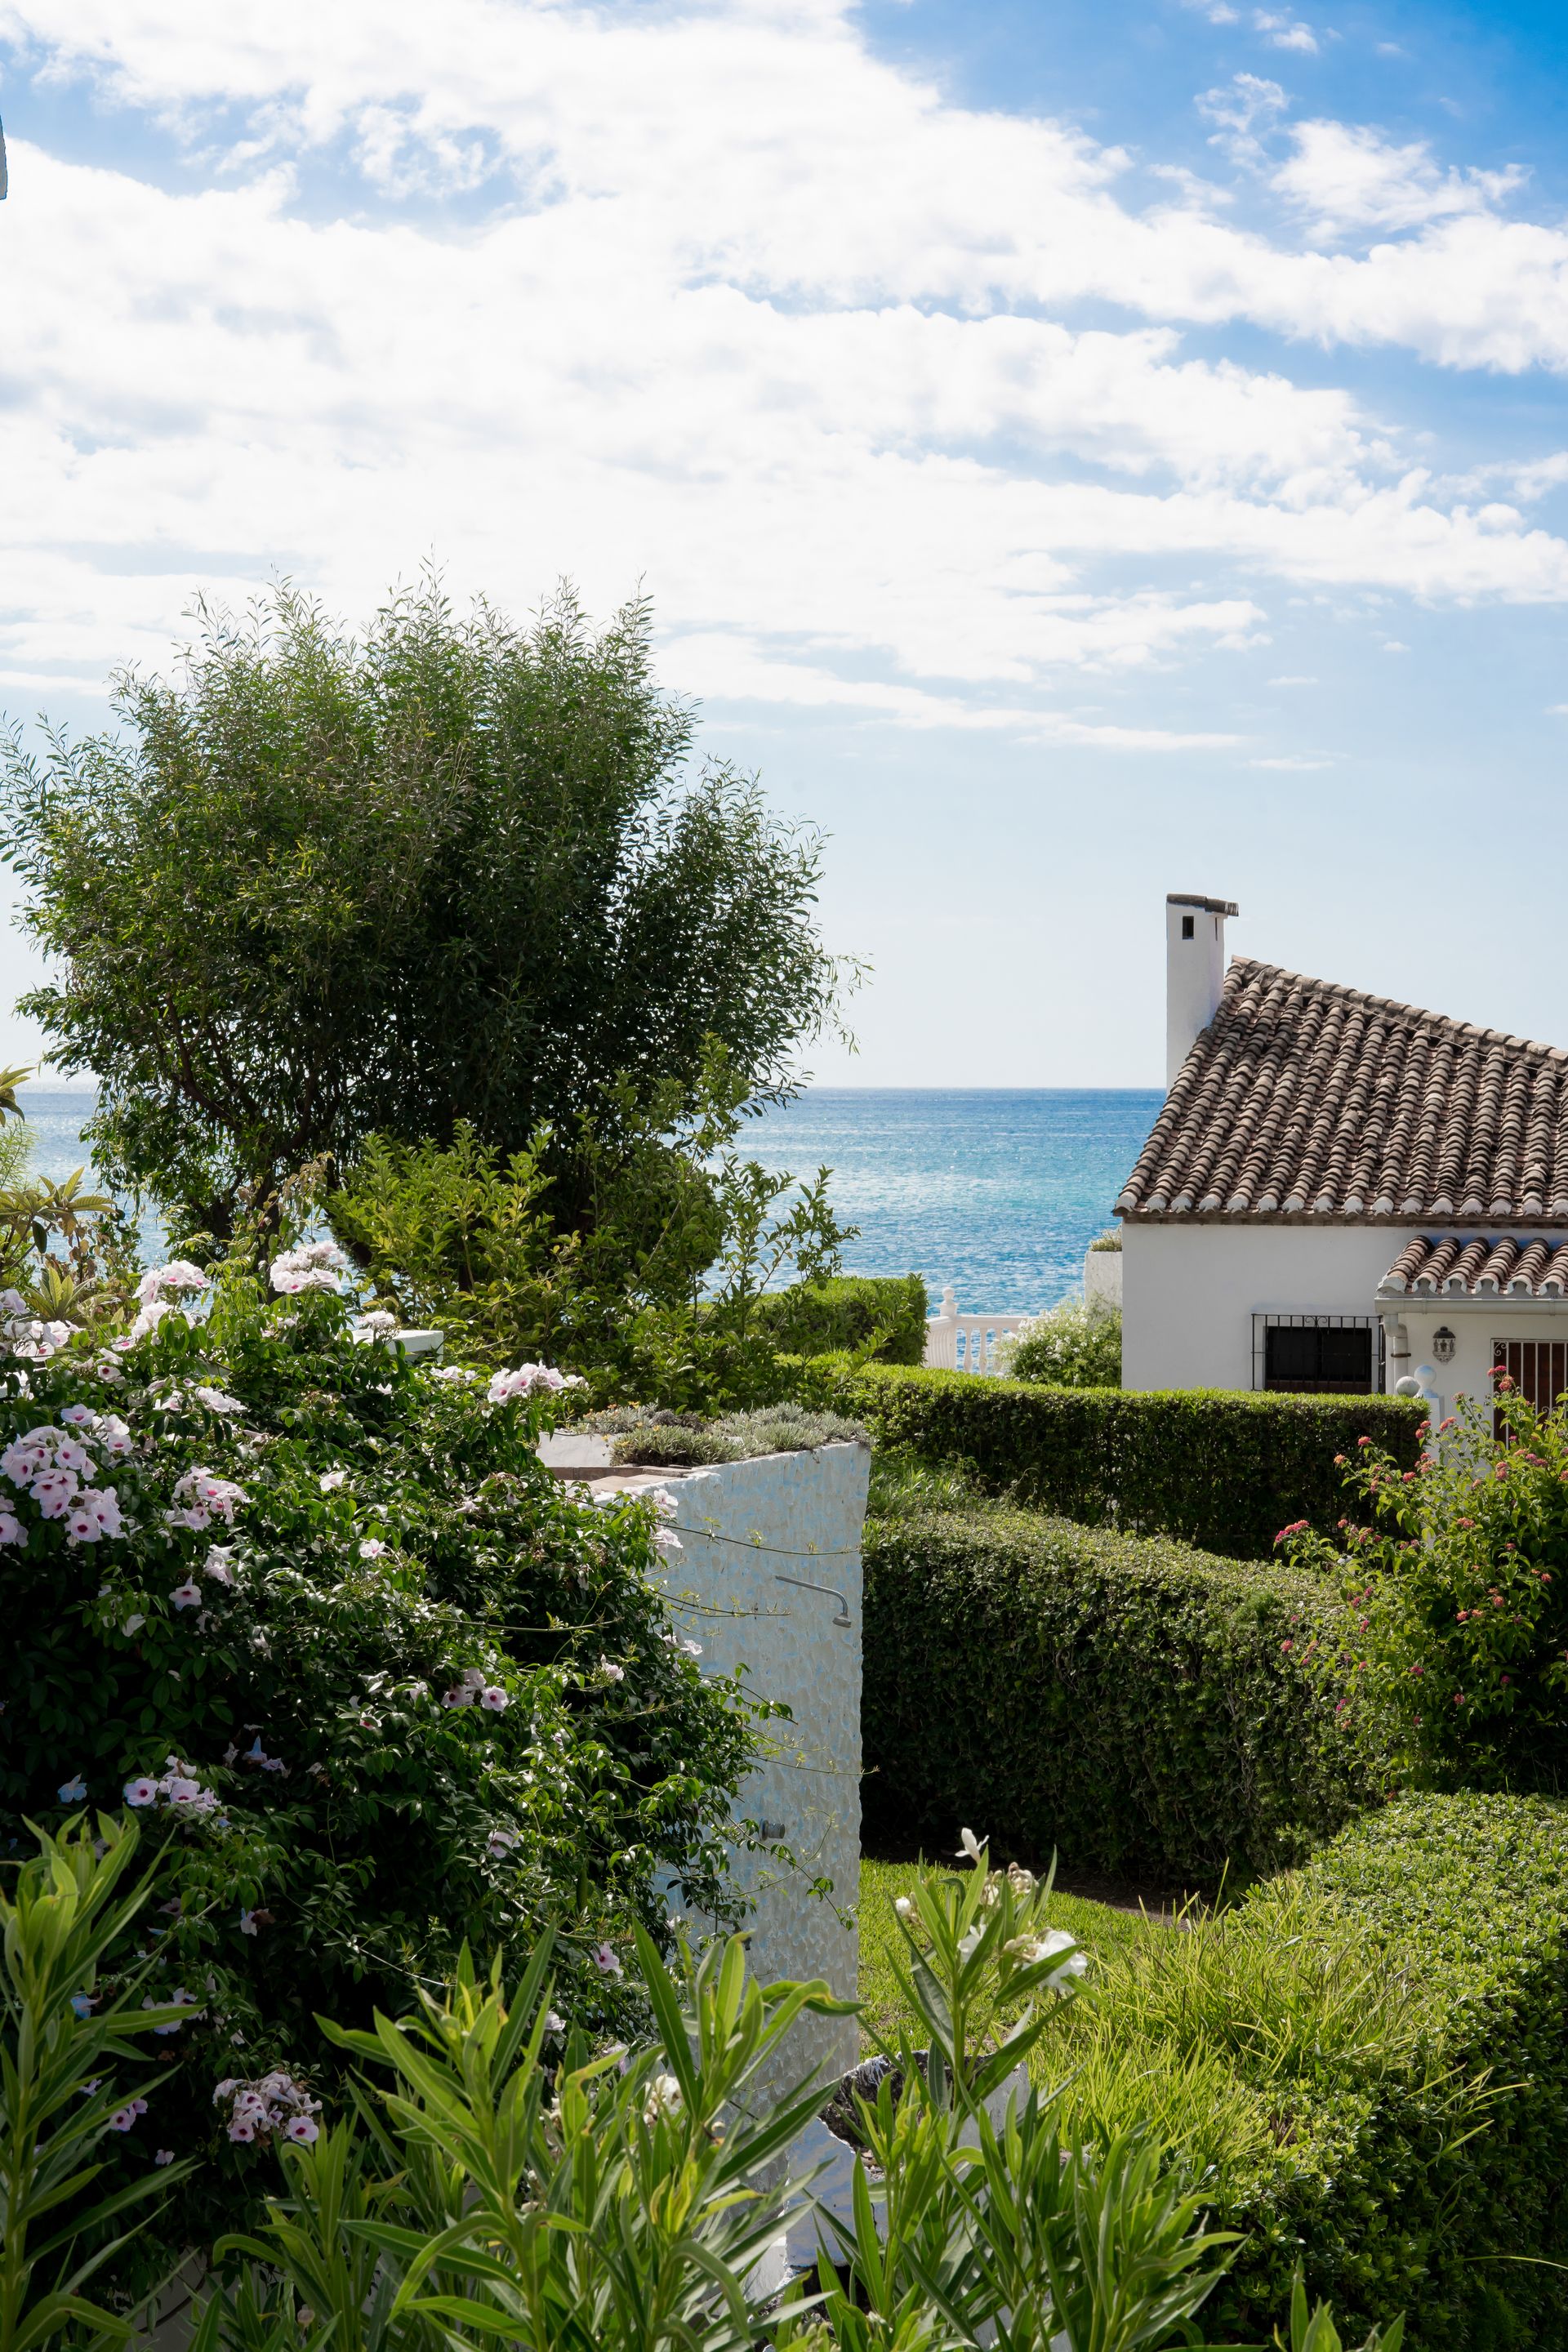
{"points": [[1318, 1355]]}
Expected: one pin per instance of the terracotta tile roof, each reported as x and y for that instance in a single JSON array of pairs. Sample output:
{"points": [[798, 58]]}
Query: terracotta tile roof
{"points": [[1305, 1100], [1453, 1267]]}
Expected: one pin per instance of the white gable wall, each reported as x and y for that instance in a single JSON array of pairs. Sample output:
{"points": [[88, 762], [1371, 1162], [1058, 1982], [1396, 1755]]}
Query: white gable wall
{"points": [[1189, 1291]]}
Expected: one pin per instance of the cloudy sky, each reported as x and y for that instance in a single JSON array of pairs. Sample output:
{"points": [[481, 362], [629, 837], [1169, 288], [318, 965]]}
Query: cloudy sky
{"points": [[1076, 452]]}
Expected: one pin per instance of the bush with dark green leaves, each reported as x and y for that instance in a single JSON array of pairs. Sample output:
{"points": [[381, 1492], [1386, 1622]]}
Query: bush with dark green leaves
{"points": [[1221, 1468], [377, 1682], [1130, 1704], [1405, 2058], [882, 1315]]}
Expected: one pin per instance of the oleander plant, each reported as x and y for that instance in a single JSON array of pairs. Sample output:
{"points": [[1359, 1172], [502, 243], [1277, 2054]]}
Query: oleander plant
{"points": [[372, 1682]]}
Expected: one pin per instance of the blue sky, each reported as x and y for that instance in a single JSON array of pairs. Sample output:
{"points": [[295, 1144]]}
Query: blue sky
{"points": [[1075, 453]]}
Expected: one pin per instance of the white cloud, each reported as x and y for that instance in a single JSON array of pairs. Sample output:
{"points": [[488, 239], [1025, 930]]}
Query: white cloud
{"points": [[1293, 681], [1347, 176], [1557, 710], [1243, 108], [732, 304], [1393, 645], [1292, 763], [1284, 31]]}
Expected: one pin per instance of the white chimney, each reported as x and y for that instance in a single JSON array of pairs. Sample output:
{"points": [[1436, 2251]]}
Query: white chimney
{"points": [[1194, 971]]}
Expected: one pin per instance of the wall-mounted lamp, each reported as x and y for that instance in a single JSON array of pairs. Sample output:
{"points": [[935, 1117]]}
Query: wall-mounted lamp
{"points": [[1443, 1344]]}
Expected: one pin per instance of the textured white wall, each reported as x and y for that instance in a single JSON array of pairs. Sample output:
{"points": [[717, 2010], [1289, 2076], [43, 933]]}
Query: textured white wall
{"points": [[741, 1524], [1189, 1292]]}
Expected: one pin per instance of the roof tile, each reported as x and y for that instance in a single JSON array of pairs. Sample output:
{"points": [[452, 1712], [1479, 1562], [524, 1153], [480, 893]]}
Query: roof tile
{"points": [[1305, 1100]]}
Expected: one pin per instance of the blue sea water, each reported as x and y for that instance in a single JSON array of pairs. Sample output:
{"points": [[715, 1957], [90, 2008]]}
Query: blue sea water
{"points": [[55, 1117], [999, 1192]]}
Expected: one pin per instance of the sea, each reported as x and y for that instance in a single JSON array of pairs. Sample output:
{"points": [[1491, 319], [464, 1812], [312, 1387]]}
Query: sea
{"points": [[997, 1192]]}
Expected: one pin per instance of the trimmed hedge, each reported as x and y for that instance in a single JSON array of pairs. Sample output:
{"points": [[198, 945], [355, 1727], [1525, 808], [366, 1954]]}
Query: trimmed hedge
{"points": [[1130, 1703], [1220, 1468], [819, 1318], [1462, 1900]]}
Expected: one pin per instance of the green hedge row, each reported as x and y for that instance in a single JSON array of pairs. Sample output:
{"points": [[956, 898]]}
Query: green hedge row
{"points": [[1216, 1467], [845, 1312], [1130, 1703], [1452, 2014]]}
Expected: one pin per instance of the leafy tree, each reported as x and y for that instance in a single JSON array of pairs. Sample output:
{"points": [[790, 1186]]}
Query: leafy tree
{"points": [[320, 886]]}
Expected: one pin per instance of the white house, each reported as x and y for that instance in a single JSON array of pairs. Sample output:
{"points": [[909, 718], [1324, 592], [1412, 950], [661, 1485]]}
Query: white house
{"points": [[1341, 1192]]}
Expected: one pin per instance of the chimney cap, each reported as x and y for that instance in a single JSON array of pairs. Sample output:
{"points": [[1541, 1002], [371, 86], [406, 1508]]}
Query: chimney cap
{"points": [[1210, 906]]}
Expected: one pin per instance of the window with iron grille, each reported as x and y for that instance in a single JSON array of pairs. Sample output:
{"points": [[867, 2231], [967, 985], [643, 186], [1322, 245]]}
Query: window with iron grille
{"points": [[1318, 1355], [1538, 1369]]}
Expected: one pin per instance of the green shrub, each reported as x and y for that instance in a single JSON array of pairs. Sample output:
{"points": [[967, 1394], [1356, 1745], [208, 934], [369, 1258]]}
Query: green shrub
{"points": [[1454, 1582], [637, 1253], [1220, 1468], [1136, 1704], [1077, 1345], [1409, 2086], [1368, 2059], [377, 1677], [883, 1314]]}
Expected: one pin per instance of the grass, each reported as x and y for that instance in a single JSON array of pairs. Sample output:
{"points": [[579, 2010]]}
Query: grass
{"points": [[1225, 2033]]}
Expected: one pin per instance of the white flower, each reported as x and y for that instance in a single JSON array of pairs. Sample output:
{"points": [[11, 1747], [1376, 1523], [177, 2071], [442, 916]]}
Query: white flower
{"points": [[667, 1541], [133, 1624], [72, 1792], [123, 2119], [553, 2022], [499, 1842], [12, 1531], [141, 1791], [242, 2131], [495, 1698], [53, 1492], [453, 1375], [968, 1945], [300, 2127], [375, 1324], [69, 1455], [971, 1848], [186, 1595], [216, 1401], [179, 1274], [663, 2099], [165, 2156], [147, 1320], [611, 1672], [309, 1268], [207, 1496], [77, 1416], [331, 1479], [903, 1907], [526, 1380], [112, 1438], [219, 1564], [372, 1547], [248, 1926], [607, 1962]]}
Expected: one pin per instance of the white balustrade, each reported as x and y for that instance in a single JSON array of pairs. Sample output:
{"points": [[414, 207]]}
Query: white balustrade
{"points": [[966, 1343]]}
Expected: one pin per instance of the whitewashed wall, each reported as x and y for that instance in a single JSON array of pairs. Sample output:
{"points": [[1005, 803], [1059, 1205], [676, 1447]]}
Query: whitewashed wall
{"points": [[743, 1525], [1189, 1292]]}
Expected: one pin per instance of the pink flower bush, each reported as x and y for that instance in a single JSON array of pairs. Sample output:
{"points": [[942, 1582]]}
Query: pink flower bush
{"points": [[312, 1267], [272, 2103], [529, 1380], [179, 1275]]}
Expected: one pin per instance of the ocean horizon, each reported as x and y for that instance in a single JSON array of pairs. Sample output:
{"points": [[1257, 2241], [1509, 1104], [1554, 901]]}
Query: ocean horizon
{"points": [[997, 1189]]}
